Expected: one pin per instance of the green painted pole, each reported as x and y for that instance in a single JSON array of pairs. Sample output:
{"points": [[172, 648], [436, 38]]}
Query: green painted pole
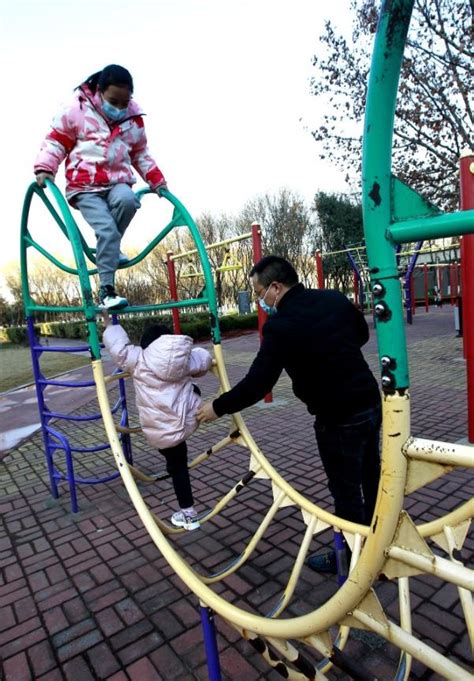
{"points": [[377, 191], [441, 226]]}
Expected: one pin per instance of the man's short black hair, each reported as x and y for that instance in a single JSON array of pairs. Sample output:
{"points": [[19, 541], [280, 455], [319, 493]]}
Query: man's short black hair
{"points": [[273, 268], [152, 333]]}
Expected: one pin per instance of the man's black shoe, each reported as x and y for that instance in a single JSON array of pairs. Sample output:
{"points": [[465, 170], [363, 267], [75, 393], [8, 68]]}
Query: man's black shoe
{"points": [[324, 562]]}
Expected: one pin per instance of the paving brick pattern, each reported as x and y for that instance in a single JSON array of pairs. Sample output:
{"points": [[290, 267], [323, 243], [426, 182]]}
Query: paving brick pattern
{"points": [[88, 596]]}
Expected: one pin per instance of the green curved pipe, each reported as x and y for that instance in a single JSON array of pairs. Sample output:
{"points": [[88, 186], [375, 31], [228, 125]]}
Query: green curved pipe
{"points": [[67, 224]]}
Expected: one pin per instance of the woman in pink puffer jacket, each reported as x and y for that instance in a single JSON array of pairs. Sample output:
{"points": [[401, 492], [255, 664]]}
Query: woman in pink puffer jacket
{"points": [[167, 400]]}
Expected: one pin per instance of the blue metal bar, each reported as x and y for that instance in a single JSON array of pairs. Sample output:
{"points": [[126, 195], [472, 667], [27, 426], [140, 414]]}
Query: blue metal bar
{"points": [[408, 279], [87, 450], [71, 417], [44, 418], [66, 384], [341, 557], [69, 466], [210, 643], [356, 270], [58, 348]]}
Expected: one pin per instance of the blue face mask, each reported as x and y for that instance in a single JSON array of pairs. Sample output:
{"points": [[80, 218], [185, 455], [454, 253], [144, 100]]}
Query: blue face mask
{"points": [[112, 112], [269, 309], [266, 307]]}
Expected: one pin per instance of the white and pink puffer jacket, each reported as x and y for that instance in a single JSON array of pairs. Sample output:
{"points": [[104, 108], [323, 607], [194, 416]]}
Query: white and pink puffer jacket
{"points": [[162, 376], [98, 153]]}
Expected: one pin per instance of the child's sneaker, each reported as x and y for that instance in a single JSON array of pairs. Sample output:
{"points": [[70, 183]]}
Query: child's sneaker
{"points": [[109, 300], [185, 519]]}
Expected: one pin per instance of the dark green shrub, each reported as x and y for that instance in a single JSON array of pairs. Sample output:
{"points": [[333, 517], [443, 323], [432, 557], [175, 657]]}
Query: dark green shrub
{"points": [[196, 325], [17, 335]]}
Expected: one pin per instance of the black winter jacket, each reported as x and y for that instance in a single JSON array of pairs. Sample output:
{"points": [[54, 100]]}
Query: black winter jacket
{"points": [[316, 336]]}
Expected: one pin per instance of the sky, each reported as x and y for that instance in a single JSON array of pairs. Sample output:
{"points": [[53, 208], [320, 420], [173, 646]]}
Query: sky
{"points": [[224, 84]]}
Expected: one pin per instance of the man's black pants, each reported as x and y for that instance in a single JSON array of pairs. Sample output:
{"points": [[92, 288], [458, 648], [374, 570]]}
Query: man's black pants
{"points": [[350, 455]]}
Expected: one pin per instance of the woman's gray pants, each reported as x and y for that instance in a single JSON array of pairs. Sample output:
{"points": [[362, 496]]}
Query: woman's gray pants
{"points": [[108, 213]]}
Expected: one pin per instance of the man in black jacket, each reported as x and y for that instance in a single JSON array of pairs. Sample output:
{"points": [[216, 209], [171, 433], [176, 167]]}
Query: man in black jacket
{"points": [[316, 336]]}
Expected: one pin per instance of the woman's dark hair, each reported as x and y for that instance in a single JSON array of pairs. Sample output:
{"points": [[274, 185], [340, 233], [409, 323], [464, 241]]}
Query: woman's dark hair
{"points": [[113, 74], [273, 268], [152, 333]]}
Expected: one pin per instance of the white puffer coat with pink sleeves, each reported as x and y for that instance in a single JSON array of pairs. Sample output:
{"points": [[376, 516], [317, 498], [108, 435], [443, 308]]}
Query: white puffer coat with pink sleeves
{"points": [[162, 377]]}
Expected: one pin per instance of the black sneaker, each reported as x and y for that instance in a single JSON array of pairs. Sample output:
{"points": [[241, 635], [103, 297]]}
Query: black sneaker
{"points": [[109, 300], [330, 562], [324, 562]]}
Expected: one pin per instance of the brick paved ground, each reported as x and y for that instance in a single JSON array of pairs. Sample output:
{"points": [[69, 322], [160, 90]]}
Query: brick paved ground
{"points": [[88, 596]]}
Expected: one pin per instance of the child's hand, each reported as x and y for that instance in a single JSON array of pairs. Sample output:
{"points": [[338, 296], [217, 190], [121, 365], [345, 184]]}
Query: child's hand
{"points": [[42, 176], [106, 318], [161, 186], [200, 374]]}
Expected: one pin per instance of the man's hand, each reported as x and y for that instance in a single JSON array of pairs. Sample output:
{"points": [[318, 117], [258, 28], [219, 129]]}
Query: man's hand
{"points": [[206, 413], [42, 176]]}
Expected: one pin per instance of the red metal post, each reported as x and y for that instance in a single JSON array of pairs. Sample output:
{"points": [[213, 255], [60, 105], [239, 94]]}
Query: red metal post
{"points": [[319, 270], [452, 267], [467, 279], [461, 294], [439, 280], [425, 283], [257, 255], [173, 290], [456, 281]]}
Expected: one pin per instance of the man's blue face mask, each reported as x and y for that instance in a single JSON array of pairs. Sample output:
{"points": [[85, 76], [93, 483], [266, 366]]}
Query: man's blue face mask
{"points": [[112, 112], [269, 309]]}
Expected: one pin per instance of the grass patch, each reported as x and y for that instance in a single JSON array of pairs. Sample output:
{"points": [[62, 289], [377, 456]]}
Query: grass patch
{"points": [[16, 368]]}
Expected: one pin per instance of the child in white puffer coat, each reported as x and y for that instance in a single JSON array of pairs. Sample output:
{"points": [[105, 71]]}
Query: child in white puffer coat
{"points": [[162, 367]]}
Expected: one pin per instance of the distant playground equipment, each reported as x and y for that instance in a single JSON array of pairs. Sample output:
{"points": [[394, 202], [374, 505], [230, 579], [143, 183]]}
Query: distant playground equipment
{"points": [[357, 258], [393, 545], [230, 263], [422, 283]]}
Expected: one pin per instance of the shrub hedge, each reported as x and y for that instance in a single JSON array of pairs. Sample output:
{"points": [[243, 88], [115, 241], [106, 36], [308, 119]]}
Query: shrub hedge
{"points": [[195, 325]]}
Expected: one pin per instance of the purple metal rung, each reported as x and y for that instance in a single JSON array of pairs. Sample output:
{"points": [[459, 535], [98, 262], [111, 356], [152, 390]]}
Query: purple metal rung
{"points": [[408, 280], [66, 384], [57, 348], [53, 440], [88, 417], [342, 562], [356, 271], [210, 643]]}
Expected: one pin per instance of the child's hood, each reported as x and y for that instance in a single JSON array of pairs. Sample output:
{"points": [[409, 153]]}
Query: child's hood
{"points": [[168, 357]]}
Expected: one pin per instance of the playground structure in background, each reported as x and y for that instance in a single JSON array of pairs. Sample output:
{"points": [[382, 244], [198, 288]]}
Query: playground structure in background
{"points": [[305, 646], [229, 263], [423, 283]]}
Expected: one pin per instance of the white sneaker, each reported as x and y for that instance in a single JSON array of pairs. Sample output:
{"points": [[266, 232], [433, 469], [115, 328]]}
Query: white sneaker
{"points": [[109, 300], [123, 258], [187, 520]]}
